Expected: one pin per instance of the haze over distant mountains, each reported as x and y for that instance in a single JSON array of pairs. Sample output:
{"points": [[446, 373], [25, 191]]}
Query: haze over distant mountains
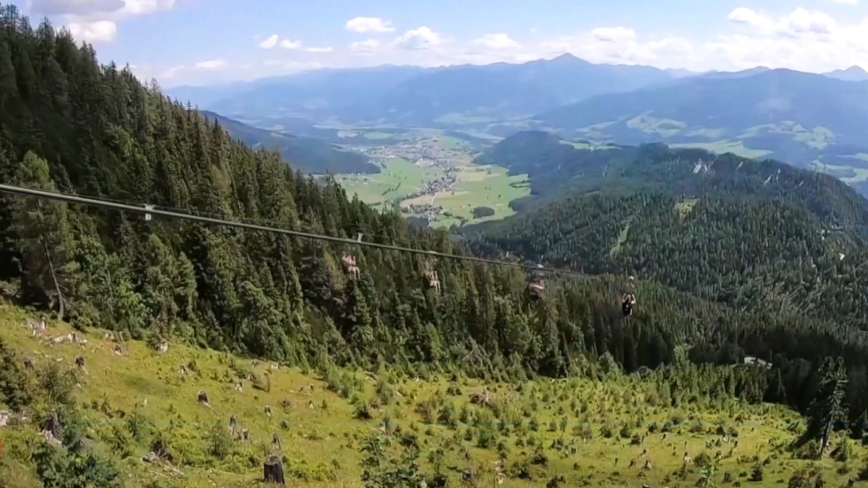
{"points": [[853, 73], [451, 96], [806, 119], [794, 116], [411, 96]]}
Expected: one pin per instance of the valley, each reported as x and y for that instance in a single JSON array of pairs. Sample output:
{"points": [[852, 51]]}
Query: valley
{"points": [[431, 176], [809, 120]]}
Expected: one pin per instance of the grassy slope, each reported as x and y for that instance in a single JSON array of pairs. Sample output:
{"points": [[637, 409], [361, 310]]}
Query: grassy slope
{"points": [[325, 441]]}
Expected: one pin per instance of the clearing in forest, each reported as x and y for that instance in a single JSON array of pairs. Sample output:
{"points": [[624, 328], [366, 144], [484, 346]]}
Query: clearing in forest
{"points": [[685, 206], [622, 430], [622, 238]]}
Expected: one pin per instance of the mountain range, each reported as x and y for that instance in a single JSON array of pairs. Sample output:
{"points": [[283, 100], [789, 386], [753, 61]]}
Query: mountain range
{"points": [[412, 96], [810, 120], [801, 118], [457, 96]]}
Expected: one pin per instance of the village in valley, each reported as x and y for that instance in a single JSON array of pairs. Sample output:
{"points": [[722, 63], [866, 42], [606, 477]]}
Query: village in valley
{"points": [[433, 177]]}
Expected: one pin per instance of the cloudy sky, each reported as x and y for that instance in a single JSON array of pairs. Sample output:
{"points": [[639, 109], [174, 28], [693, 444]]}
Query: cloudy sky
{"points": [[213, 41]]}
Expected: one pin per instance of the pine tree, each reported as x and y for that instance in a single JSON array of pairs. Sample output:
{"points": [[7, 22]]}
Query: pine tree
{"points": [[45, 242], [827, 408]]}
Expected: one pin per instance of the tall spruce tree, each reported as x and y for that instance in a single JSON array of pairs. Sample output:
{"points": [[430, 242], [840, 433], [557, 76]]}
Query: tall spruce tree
{"points": [[828, 407]]}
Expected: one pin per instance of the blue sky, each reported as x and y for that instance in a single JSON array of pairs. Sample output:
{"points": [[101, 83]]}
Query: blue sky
{"points": [[214, 41]]}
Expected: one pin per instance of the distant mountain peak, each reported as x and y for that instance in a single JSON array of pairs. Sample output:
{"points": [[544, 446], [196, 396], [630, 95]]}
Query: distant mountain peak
{"points": [[567, 58], [853, 73]]}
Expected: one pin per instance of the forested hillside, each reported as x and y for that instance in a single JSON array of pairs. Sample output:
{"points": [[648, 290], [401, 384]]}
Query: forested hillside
{"points": [[556, 167], [73, 126], [760, 237], [307, 154]]}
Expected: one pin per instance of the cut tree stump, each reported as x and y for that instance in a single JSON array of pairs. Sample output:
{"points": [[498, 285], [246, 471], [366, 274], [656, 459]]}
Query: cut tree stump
{"points": [[273, 470], [202, 397]]}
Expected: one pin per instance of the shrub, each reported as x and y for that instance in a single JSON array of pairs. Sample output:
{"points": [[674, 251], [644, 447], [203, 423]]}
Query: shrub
{"points": [[756, 474], [261, 382], [363, 411]]}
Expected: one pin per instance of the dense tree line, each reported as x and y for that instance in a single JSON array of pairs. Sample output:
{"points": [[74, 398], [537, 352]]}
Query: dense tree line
{"points": [[753, 254], [558, 169]]}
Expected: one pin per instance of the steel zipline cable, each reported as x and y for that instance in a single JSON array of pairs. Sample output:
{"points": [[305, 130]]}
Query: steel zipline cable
{"points": [[149, 210]]}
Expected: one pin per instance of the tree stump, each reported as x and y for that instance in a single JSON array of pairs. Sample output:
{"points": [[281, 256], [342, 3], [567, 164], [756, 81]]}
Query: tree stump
{"points": [[273, 470], [203, 398], [52, 430]]}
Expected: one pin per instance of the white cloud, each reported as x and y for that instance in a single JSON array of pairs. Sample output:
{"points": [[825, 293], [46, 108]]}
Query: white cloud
{"points": [[369, 24], [274, 40], [799, 39], [270, 42], [847, 2], [799, 22], [287, 44], [745, 16], [496, 41], [170, 73], [212, 64], [365, 47], [96, 20], [418, 39], [75, 7], [614, 34], [139, 7], [94, 32], [803, 40]]}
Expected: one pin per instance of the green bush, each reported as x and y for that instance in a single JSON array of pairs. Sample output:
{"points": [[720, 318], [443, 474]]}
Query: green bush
{"points": [[68, 468]]}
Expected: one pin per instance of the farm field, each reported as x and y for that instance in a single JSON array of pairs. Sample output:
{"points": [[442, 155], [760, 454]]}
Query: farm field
{"points": [[612, 431], [736, 147], [432, 175], [478, 186], [398, 178]]}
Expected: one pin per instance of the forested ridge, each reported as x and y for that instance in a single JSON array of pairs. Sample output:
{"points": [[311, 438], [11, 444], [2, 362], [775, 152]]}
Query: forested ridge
{"points": [[776, 243], [557, 168], [308, 154], [70, 124]]}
